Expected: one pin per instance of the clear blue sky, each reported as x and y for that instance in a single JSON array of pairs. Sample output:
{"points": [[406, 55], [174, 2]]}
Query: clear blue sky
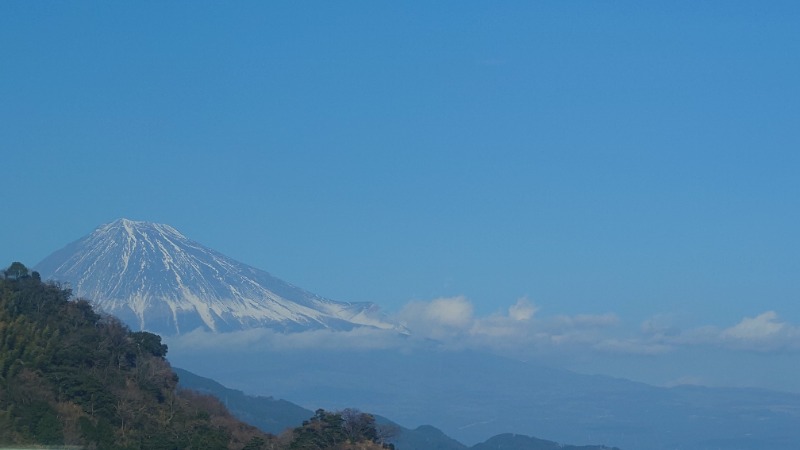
{"points": [[633, 158]]}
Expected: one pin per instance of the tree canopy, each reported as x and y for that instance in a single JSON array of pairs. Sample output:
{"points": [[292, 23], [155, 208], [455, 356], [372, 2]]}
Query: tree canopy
{"points": [[69, 375], [16, 271]]}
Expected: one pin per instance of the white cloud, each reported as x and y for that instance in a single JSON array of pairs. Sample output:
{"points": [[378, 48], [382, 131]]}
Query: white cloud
{"points": [[524, 309], [439, 318], [657, 350], [516, 324], [763, 326], [764, 332], [520, 330], [202, 340], [450, 322], [263, 339]]}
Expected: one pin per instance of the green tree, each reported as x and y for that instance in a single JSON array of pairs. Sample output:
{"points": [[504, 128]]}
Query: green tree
{"points": [[16, 271], [256, 443], [71, 376], [345, 430], [149, 342], [358, 426]]}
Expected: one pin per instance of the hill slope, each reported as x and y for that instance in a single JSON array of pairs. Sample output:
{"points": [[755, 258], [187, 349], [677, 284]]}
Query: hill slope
{"points": [[266, 413], [71, 376]]}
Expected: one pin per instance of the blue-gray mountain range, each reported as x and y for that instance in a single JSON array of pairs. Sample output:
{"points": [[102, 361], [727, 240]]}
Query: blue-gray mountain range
{"points": [[274, 416], [471, 396]]}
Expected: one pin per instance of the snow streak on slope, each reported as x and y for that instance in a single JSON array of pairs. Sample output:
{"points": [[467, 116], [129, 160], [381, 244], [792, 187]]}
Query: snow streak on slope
{"points": [[154, 278]]}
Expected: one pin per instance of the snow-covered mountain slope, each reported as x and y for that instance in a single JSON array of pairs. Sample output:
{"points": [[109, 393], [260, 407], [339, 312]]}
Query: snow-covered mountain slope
{"points": [[154, 278]]}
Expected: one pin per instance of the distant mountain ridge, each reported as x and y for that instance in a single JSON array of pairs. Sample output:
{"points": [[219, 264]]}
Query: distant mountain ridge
{"points": [[274, 416], [154, 278], [472, 395], [268, 414]]}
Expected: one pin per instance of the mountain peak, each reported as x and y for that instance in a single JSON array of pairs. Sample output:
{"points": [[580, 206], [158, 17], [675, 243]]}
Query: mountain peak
{"points": [[126, 223], [156, 279], [132, 227]]}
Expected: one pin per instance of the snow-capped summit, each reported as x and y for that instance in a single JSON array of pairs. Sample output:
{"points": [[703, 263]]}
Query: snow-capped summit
{"points": [[154, 278]]}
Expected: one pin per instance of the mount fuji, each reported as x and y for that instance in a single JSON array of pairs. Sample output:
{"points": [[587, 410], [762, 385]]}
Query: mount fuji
{"points": [[154, 278]]}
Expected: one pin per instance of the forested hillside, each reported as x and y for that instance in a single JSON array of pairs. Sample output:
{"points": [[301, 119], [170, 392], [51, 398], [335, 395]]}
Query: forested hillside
{"points": [[69, 375]]}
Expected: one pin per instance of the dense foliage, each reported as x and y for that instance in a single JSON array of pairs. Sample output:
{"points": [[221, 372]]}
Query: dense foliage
{"points": [[69, 375], [344, 430]]}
